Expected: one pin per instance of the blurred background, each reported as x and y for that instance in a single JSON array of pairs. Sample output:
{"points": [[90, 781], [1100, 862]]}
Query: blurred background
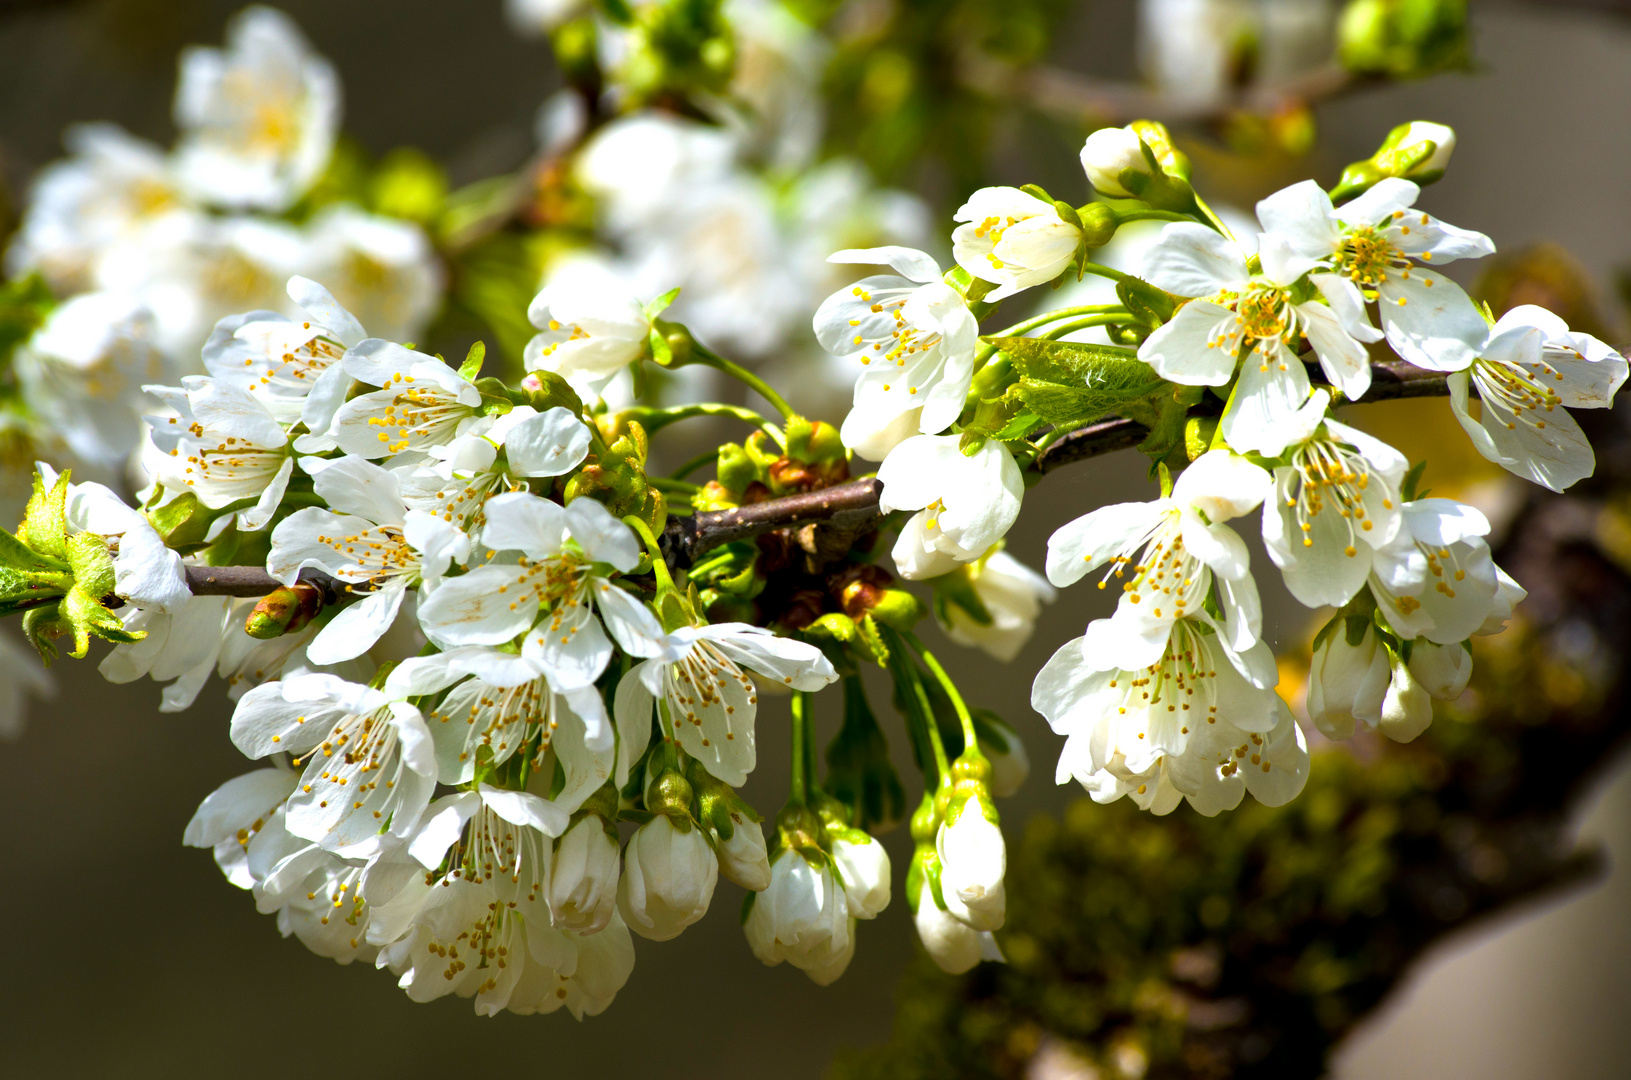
{"points": [[131, 957]]}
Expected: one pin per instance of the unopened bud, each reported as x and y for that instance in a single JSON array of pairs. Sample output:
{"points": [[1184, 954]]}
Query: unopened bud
{"points": [[284, 610], [1107, 154], [1418, 151]]}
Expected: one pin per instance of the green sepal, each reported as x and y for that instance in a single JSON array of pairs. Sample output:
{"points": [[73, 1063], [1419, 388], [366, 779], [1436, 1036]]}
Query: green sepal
{"points": [[554, 392], [92, 564], [45, 519], [473, 361], [660, 304], [1019, 426], [956, 589], [184, 521], [1412, 481], [1148, 304]]}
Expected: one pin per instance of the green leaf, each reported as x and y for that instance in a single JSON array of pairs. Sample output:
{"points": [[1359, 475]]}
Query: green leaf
{"points": [[1023, 423], [472, 362], [1070, 383]]}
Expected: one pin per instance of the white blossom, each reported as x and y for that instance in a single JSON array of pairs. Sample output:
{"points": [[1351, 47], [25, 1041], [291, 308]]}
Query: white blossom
{"points": [[863, 866], [103, 195], [1109, 152], [973, 859], [915, 336], [291, 365], [422, 402], [1532, 364], [1257, 321], [1334, 504], [258, 119], [965, 502], [560, 548], [1012, 595], [1013, 240], [711, 701], [668, 878], [369, 536], [802, 918], [743, 858], [223, 446], [584, 876], [369, 763], [1166, 555], [589, 332], [1377, 244], [1436, 579]]}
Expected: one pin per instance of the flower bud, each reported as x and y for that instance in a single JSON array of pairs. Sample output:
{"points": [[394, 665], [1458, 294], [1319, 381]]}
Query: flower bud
{"points": [[1108, 153], [803, 917], [973, 860], [864, 865], [1407, 709], [742, 856], [1348, 680], [951, 943], [668, 879], [583, 882], [1442, 670], [284, 610], [1418, 151], [992, 603]]}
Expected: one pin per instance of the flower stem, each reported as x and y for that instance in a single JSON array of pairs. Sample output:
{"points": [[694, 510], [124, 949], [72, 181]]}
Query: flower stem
{"points": [[745, 377], [801, 722], [963, 717], [1091, 320], [659, 563], [919, 711], [1027, 325], [654, 419], [1151, 214], [1213, 219], [694, 464]]}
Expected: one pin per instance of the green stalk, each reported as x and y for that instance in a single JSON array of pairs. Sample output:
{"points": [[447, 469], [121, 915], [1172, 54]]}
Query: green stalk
{"points": [[963, 716], [746, 378], [1092, 320], [655, 419], [694, 464], [659, 564], [801, 722]]}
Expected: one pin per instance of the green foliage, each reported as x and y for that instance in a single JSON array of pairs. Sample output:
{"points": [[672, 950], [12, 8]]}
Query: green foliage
{"points": [[896, 79], [1404, 38], [1071, 383]]}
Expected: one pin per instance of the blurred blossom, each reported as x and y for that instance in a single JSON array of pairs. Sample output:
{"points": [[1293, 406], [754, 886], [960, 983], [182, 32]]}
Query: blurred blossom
{"points": [[380, 269], [258, 118], [1198, 50]]}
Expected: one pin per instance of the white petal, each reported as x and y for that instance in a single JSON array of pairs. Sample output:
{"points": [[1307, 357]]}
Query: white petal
{"points": [[632, 625], [1186, 350], [354, 485], [908, 262], [1301, 216], [550, 444], [320, 304], [1345, 361], [1432, 326], [520, 808], [236, 805], [356, 629], [470, 610], [602, 537], [1264, 412], [632, 708], [1193, 260], [1082, 546]]}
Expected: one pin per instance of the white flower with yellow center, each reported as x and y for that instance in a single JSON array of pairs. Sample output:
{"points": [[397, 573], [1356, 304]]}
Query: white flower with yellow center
{"points": [[567, 556], [1190, 726], [383, 269], [1256, 321], [1013, 240], [422, 402], [474, 920], [697, 679], [1436, 579], [111, 187], [964, 502], [1377, 247], [912, 333], [368, 537], [258, 119], [291, 365], [82, 373], [588, 332], [1166, 555], [224, 446], [368, 762], [1531, 365], [1335, 504]]}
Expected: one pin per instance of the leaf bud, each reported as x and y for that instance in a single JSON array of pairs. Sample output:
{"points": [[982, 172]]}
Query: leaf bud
{"points": [[284, 610]]}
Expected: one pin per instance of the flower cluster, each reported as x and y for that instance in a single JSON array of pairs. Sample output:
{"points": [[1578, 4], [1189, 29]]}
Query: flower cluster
{"points": [[1172, 697], [505, 675], [149, 249]]}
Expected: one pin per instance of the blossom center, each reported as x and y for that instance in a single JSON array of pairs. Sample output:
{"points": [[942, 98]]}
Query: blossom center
{"points": [[1331, 478]]}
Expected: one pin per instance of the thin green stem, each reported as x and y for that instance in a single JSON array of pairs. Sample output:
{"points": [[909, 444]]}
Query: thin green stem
{"points": [[985, 352], [963, 716], [655, 419], [1092, 320], [659, 562], [1151, 214], [918, 707], [666, 721], [694, 464], [679, 487], [746, 378], [801, 722]]}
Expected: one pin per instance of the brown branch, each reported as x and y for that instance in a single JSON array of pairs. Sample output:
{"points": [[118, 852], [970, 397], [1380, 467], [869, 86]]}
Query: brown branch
{"points": [[852, 506]]}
